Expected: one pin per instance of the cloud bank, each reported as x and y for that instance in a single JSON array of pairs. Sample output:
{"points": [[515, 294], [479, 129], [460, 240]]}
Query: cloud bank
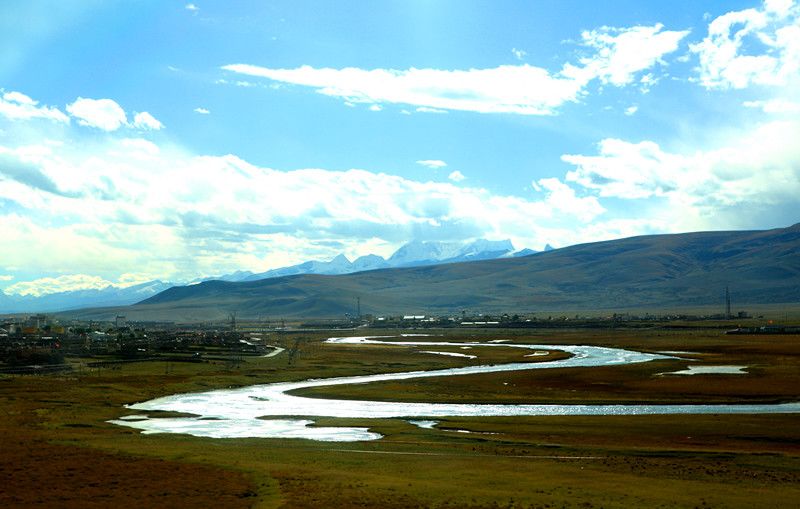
{"points": [[133, 205]]}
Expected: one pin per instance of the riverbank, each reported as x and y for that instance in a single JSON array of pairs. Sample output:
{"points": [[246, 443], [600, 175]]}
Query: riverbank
{"points": [[608, 461]]}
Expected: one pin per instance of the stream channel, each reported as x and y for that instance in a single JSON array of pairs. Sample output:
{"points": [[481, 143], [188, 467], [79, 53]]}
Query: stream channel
{"points": [[269, 411]]}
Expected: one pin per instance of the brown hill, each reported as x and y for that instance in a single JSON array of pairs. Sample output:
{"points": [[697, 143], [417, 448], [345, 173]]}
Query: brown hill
{"points": [[656, 271]]}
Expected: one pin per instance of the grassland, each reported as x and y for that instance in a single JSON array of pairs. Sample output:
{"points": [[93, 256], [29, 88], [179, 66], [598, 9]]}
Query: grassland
{"points": [[57, 449]]}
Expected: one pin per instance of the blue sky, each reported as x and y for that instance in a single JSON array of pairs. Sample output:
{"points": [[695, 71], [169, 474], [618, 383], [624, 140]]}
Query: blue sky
{"points": [[172, 140]]}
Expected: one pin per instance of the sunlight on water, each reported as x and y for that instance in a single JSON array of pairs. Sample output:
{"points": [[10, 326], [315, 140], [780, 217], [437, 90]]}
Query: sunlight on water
{"points": [[266, 410]]}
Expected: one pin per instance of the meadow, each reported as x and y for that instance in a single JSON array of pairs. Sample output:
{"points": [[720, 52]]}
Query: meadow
{"points": [[58, 449]]}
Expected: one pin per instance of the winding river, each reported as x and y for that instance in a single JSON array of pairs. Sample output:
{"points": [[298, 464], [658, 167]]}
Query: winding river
{"points": [[269, 411]]}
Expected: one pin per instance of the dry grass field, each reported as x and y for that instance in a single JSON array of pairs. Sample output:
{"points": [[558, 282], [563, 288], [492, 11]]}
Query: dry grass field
{"points": [[58, 451]]}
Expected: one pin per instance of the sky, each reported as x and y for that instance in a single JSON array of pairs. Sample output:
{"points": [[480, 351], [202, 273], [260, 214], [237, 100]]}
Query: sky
{"points": [[172, 140]]}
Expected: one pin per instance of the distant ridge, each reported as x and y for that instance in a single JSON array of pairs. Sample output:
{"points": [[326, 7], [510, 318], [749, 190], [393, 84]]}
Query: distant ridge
{"points": [[657, 271], [412, 254], [75, 299]]}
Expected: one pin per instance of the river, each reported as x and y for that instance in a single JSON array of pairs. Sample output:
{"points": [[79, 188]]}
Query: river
{"points": [[269, 411]]}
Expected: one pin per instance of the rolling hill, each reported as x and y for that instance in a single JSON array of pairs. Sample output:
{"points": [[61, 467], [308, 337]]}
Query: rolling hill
{"points": [[657, 272]]}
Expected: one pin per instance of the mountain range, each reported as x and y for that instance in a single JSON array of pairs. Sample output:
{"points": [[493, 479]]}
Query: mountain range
{"points": [[659, 272], [108, 296], [416, 253]]}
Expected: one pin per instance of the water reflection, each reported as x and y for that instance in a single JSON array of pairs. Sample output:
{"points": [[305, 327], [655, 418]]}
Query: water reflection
{"points": [[270, 410]]}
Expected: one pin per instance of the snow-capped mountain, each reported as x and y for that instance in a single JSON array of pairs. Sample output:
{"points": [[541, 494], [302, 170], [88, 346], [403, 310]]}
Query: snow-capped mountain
{"points": [[427, 253], [108, 296], [419, 252], [412, 254], [483, 249], [369, 262], [523, 252], [338, 265]]}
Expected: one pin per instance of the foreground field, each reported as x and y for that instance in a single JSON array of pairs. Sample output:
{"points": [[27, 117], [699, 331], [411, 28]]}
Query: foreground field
{"points": [[57, 449]]}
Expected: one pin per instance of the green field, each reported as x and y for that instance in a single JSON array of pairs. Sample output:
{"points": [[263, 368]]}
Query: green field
{"points": [[57, 449]]}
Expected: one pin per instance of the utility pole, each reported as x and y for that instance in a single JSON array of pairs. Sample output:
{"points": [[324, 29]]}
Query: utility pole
{"points": [[727, 303]]}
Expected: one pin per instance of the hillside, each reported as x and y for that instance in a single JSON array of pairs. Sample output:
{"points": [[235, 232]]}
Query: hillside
{"points": [[412, 254], [657, 271]]}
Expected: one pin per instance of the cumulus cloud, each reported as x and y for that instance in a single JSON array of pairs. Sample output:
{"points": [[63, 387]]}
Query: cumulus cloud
{"points": [[202, 111], [108, 115], [103, 114], [751, 170], [146, 121], [200, 215], [192, 8], [562, 198], [518, 53], [432, 163], [757, 46], [17, 168], [456, 176], [18, 106], [620, 54], [627, 170], [616, 56], [631, 110]]}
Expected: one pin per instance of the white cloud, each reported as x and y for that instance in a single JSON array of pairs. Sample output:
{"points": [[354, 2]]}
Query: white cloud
{"points": [[456, 176], [424, 109], [103, 114], [191, 7], [375, 107], [621, 53], [627, 170], [18, 106], [617, 56], [432, 163], [84, 245], [779, 7], [71, 282], [19, 98], [751, 47], [754, 170], [47, 285], [775, 106], [146, 121], [647, 82], [237, 83], [202, 111], [523, 89], [107, 115], [139, 146], [631, 110], [200, 215], [5, 277], [563, 199], [518, 53]]}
